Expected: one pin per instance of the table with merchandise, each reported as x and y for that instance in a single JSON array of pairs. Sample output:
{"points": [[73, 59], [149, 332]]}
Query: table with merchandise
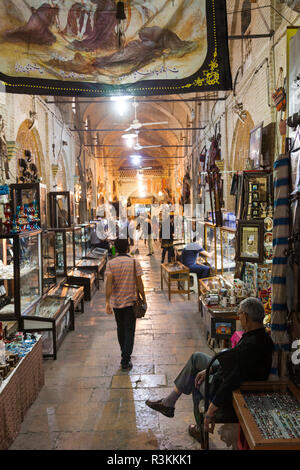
{"points": [[269, 414]]}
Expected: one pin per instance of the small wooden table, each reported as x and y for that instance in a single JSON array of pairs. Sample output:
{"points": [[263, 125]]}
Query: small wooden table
{"points": [[253, 431], [175, 272]]}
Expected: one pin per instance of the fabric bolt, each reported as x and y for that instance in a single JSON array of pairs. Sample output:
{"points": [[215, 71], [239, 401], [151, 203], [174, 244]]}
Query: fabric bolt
{"points": [[279, 265], [124, 283]]}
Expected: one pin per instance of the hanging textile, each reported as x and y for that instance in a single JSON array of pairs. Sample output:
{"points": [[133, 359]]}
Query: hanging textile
{"points": [[73, 48], [280, 257]]}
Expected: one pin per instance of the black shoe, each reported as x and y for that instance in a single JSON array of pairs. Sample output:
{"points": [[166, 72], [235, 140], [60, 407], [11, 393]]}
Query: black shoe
{"points": [[167, 411], [126, 365]]}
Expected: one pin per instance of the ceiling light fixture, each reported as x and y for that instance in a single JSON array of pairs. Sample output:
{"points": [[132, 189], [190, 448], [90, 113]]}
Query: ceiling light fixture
{"points": [[121, 103]]}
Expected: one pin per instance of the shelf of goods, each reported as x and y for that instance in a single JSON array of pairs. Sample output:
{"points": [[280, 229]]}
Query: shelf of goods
{"points": [[28, 206], [218, 306], [20, 274]]}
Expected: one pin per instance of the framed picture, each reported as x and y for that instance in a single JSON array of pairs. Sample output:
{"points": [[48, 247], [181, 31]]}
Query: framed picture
{"points": [[250, 242], [255, 146]]}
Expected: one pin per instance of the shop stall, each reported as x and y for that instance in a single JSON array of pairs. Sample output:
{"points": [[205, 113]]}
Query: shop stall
{"points": [[28, 206]]}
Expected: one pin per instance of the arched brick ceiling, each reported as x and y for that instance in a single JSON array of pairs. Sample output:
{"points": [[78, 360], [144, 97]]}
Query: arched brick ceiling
{"points": [[104, 116]]}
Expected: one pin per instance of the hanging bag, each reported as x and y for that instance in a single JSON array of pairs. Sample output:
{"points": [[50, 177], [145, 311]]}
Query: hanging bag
{"points": [[139, 307]]}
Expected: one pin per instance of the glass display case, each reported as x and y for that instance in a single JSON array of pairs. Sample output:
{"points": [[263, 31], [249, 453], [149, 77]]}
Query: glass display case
{"points": [[78, 245], [61, 209], [212, 244], [86, 232], [64, 248], [228, 240], [29, 204], [51, 318], [48, 260], [20, 273]]}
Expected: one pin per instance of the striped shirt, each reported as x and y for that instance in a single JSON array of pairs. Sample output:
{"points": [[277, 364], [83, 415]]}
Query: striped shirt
{"points": [[123, 280]]}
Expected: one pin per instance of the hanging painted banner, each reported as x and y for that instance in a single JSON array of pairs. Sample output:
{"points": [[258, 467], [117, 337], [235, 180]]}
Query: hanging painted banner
{"points": [[103, 47]]}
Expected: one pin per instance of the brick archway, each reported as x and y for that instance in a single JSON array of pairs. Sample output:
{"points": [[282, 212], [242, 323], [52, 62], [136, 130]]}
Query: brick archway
{"points": [[30, 140]]}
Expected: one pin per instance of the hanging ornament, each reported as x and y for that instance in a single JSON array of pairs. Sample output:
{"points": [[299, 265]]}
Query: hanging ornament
{"points": [[120, 16]]}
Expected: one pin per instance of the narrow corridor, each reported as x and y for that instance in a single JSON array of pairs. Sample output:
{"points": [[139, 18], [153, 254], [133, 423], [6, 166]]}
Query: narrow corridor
{"points": [[89, 403]]}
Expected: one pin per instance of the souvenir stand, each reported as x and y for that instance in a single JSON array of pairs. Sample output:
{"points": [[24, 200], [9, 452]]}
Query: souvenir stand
{"points": [[254, 251], [28, 206]]}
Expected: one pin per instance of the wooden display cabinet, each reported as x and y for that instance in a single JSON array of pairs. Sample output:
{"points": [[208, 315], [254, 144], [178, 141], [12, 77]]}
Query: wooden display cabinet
{"points": [[254, 433]]}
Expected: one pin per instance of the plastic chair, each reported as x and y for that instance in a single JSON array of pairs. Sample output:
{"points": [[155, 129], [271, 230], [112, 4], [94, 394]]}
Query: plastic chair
{"points": [[225, 414], [194, 285]]}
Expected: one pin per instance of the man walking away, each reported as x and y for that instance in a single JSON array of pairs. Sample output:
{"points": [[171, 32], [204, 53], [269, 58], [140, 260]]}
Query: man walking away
{"points": [[121, 296]]}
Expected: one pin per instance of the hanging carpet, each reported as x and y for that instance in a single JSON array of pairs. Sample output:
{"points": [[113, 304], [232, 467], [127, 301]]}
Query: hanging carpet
{"points": [[72, 48]]}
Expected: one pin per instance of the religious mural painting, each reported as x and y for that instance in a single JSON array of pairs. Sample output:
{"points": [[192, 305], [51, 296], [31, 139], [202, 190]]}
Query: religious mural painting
{"points": [[68, 47]]}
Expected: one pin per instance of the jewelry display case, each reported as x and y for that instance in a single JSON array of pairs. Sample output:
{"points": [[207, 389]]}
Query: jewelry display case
{"points": [[268, 413], [76, 296], [78, 245], [61, 209], [212, 244], [64, 248], [228, 240], [92, 265], [20, 273], [86, 232], [82, 278], [48, 260], [51, 318], [29, 205]]}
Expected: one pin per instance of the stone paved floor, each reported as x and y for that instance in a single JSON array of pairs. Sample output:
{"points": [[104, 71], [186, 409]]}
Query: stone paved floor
{"points": [[88, 403]]}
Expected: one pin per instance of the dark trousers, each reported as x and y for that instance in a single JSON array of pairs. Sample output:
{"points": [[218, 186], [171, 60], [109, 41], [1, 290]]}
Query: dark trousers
{"points": [[169, 250], [185, 381], [125, 320]]}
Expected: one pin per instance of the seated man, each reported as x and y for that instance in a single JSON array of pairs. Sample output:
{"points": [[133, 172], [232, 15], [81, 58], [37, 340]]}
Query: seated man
{"points": [[249, 360], [189, 258]]}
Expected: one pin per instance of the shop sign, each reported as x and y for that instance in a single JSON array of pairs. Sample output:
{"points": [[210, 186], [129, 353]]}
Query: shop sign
{"points": [[74, 48]]}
